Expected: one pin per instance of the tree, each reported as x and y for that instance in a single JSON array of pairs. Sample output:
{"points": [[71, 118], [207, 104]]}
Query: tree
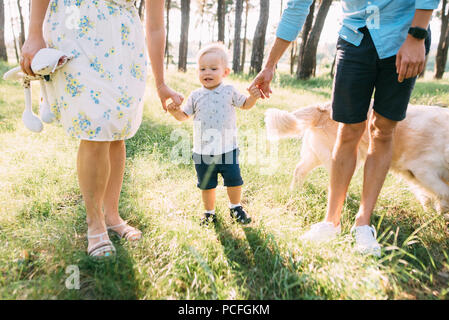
{"points": [[242, 65], [443, 44], [140, 9], [183, 45], [3, 55], [237, 41], [259, 37], [307, 65], [221, 17], [305, 35], [16, 50], [167, 26], [201, 5]]}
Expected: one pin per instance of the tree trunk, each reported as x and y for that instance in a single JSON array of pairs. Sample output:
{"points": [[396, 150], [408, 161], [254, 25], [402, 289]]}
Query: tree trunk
{"points": [[308, 66], [3, 54], [441, 57], [221, 13], [333, 65], [141, 9], [237, 32], [242, 65], [167, 42], [259, 38], [202, 10], [230, 26], [293, 55], [22, 26], [304, 36], [183, 45], [16, 50]]}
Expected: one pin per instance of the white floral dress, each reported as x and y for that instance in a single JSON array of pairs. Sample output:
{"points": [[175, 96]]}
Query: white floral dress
{"points": [[98, 95]]}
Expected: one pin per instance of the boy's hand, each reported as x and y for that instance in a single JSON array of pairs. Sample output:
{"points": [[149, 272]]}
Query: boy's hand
{"points": [[254, 92], [173, 107]]}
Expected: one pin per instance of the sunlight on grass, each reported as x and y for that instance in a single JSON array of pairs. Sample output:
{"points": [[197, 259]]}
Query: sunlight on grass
{"points": [[43, 230]]}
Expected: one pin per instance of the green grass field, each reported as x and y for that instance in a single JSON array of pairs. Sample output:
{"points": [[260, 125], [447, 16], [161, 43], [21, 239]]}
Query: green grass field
{"points": [[43, 229]]}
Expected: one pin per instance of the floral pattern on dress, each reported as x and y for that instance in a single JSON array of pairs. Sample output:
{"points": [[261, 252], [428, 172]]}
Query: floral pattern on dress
{"points": [[82, 124], [98, 95], [73, 86]]}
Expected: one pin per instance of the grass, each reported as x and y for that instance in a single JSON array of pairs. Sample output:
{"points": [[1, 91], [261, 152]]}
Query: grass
{"points": [[43, 230]]}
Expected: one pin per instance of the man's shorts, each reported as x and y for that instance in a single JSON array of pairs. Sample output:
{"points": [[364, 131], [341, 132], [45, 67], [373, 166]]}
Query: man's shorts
{"points": [[208, 167], [358, 72]]}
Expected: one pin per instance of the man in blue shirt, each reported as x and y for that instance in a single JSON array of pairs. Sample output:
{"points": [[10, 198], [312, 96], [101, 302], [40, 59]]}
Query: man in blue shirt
{"points": [[381, 47]]}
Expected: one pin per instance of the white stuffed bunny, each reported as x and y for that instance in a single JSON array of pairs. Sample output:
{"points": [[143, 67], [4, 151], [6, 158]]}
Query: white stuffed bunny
{"points": [[45, 62]]}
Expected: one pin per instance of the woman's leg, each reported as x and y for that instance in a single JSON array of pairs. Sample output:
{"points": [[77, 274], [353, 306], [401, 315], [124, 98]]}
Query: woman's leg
{"points": [[117, 157], [93, 174]]}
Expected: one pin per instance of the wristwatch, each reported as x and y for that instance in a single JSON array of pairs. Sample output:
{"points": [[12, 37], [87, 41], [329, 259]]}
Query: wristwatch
{"points": [[418, 33]]}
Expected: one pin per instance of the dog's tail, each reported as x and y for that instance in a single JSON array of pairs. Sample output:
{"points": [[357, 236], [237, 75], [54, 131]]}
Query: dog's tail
{"points": [[283, 124]]}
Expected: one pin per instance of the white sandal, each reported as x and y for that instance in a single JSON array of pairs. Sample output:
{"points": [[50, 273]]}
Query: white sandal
{"points": [[103, 248], [129, 233]]}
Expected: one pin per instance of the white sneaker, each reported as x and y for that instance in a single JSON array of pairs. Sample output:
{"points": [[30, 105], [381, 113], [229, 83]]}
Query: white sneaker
{"points": [[321, 231], [365, 240]]}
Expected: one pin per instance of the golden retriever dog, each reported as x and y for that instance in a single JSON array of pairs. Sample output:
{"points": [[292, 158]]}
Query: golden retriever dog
{"points": [[420, 147]]}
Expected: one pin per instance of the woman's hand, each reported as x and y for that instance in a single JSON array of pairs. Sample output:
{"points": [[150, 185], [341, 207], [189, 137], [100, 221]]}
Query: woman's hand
{"points": [[165, 93], [254, 92], [29, 49]]}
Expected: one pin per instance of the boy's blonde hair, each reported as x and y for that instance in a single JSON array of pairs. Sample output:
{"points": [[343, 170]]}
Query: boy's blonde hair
{"points": [[217, 48]]}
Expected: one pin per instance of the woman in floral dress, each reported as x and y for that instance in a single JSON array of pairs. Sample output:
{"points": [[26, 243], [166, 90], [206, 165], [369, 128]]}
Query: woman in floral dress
{"points": [[98, 96]]}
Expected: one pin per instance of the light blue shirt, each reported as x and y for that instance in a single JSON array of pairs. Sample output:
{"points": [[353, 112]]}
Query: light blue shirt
{"points": [[388, 21]]}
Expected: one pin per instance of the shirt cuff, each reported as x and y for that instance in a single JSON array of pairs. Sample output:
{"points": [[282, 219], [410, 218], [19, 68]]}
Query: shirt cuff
{"points": [[287, 32], [427, 4], [241, 101], [188, 112]]}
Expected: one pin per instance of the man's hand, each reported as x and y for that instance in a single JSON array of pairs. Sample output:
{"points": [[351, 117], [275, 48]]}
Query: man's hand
{"points": [[262, 83], [410, 59]]}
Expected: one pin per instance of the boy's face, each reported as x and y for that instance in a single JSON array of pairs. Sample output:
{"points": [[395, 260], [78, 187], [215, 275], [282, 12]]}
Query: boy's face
{"points": [[212, 70]]}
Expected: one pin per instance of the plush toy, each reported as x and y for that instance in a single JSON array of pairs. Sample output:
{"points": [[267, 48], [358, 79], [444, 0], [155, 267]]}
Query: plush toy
{"points": [[44, 64]]}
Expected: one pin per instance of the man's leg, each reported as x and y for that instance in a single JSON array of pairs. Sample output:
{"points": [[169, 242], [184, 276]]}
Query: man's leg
{"points": [[378, 160], [355, 76], [344, 160]]}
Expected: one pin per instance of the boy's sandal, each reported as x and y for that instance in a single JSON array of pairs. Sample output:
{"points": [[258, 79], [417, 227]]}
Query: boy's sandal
{"points": [[240, 215], [103, 248], [126, 231], [208, 218]]}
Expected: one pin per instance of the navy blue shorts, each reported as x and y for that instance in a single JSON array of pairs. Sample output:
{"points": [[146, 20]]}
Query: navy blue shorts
{"points": [[208, 167], [358, 72]]}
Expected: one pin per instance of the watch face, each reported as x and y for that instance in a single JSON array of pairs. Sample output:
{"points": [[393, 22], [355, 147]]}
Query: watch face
{"points": [[418, 33]]}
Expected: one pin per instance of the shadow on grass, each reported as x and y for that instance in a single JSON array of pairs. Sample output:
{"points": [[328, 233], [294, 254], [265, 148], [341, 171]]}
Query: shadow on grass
{"points": [[108, 278], [412, 258], [156, 138], [259, 267], [101, 279]]}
